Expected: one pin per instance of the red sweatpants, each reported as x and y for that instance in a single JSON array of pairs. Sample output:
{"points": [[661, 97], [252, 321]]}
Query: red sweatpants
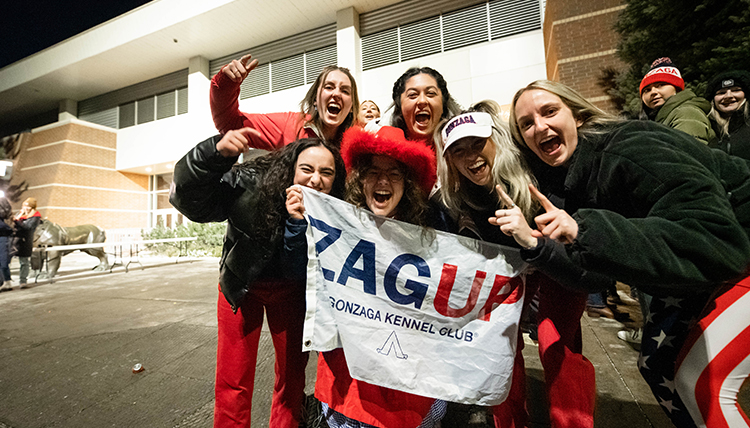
{"points": [[569, 376], [237, 351]]}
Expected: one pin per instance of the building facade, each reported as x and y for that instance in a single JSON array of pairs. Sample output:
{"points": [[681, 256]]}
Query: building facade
{"points": [[107, 159]]}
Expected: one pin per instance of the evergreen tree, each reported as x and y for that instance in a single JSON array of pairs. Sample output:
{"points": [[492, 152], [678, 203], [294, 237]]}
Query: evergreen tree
{"points": [[702, 37]]}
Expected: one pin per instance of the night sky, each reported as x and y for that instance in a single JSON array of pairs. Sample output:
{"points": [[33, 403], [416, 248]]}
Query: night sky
{"points": [[29, 26]]}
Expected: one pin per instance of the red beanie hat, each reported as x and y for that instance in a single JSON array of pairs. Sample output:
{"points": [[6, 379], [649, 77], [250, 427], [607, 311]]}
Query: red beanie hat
{"points": [[662, 70], [390, 141]]}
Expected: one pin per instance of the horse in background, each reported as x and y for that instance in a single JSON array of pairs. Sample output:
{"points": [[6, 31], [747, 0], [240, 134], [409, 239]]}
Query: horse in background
{"points": [[52, 234]]}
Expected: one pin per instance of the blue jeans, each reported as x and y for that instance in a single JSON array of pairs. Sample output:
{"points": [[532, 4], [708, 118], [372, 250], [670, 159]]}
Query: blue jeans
{"points": [[597, 300], [4, 258]]}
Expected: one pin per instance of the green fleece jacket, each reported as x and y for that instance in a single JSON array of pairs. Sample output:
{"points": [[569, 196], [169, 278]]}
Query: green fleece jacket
{"points": [[655, 209], [688, 113]]}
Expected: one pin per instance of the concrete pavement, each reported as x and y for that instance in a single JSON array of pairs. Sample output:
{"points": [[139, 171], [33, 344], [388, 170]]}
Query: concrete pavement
{"points": [[68, 348]]}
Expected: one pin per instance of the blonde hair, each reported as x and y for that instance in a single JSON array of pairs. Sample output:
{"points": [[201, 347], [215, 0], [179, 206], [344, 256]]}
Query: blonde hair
{"points": [[31, 202], [591, 116], [508, 167], [723, 122]]}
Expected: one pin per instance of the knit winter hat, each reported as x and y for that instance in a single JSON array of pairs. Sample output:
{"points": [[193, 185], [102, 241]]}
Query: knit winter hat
{"points": [[389, 141], [727, 79], [662, 70]]}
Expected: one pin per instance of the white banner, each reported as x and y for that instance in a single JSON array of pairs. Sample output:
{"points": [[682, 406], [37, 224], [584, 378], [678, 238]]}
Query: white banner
{"points": [[415, 310]]}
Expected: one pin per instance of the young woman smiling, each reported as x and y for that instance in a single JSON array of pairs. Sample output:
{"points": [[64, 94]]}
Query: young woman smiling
{"points": [[256, 275], [479, 158], [326, 111], [656, 209], [420, 101], [730, 114], [390, 176]]}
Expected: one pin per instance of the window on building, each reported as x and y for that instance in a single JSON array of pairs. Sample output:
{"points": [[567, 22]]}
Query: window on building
{"points": [[160, 210]]}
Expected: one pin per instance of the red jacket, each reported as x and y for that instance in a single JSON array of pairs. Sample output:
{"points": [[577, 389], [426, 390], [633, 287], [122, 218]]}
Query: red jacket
{"points": [[277, 129], [364, 402]]}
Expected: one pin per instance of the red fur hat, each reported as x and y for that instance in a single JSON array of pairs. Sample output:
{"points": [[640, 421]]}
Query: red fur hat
{"points": [[390, 141]]}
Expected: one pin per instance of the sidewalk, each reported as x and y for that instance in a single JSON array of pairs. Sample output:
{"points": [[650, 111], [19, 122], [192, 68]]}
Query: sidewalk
{"points": [[68, 349]]}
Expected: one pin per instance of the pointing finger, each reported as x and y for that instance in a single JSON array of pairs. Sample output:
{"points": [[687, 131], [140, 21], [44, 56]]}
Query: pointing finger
{"points": [[250, 67], [245, 59], [504, 198], [546, 204], [250, 133]]}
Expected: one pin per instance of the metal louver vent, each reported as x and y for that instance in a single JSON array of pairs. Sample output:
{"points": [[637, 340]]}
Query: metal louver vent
{"points": [[126, 115], [158, 85], [287, 73], [508, 17], [182, 100], [165, 105], [420, 38], [380, 49], [145, 110], [318, 59], [465, 27], [105, 117], [256, 83], [283, 48]]}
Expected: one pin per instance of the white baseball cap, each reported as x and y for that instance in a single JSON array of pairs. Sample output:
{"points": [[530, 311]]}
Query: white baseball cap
{"points": [[474, 124]]}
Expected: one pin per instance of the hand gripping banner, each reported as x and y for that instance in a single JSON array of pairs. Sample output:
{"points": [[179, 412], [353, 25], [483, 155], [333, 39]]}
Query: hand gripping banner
{"points": [[415, 310]]}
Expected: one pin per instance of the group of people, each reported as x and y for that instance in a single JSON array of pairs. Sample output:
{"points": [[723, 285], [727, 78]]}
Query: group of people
{"points": [[17, 239], [587, 199]]}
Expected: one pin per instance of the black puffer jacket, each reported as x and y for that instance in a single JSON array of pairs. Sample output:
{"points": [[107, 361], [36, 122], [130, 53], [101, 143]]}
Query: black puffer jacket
{"points": [[737, 141], [655, 209], [206, 188], [25, 227]]}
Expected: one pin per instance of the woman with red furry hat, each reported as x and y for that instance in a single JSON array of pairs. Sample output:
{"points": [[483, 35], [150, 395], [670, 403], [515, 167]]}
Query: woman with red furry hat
{"points": [[392, 177]]}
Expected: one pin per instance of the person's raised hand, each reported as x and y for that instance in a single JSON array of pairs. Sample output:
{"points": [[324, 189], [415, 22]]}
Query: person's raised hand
{"points": [[512, 222], [238, 69], [554, 223], [236, 142], [294, 204]]}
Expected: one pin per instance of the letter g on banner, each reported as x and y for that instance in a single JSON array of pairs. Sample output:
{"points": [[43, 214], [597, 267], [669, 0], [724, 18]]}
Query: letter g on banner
{"points": [[419, 290]]}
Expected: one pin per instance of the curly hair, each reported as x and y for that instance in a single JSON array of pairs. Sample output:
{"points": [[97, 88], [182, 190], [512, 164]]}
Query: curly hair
{"points": [[450, 106], [307, 105], [277, 170], [412, 208]]}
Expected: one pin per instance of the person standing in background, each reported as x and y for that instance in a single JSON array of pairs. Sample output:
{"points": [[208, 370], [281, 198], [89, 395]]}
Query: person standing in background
{"points": [[729, 115], [26, 222], [6, 231], [368, 111], [665, 100]]}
